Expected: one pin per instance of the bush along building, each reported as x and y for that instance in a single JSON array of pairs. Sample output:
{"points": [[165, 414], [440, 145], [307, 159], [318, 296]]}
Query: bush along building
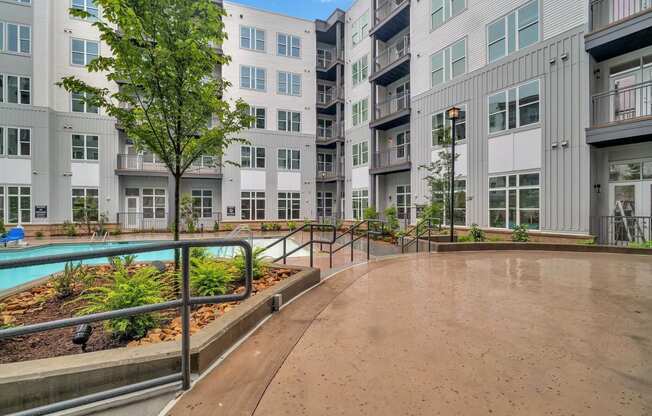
{"points": [[554, 131]]}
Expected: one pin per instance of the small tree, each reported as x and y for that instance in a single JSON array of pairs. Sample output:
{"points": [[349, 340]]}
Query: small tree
{"points": [[85, 211], [188, 213], [164, 54]]}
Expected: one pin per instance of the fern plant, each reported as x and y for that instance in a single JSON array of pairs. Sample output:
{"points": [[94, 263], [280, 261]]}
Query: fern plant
{"points": [[64, 282], [520, 234], [476, 233], [210, 278], [259, 267]]}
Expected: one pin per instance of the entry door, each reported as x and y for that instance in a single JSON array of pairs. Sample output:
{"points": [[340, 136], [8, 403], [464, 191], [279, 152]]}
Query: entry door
{"points": [[625, 204], [132, 212], [626, 99]]}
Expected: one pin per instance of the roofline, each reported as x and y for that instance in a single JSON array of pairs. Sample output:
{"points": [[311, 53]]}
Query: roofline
{"points": [[257, 9]]}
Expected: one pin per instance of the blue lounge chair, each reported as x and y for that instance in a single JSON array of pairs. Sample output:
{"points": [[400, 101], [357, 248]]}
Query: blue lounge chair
{"points": [[15, 234]]}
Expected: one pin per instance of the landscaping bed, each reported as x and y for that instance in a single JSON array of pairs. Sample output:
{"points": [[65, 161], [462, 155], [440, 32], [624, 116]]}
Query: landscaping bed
{"points": [[45, 303]]}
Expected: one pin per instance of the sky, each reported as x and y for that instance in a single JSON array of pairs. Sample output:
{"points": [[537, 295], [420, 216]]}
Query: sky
{"points": [[306, 9]]}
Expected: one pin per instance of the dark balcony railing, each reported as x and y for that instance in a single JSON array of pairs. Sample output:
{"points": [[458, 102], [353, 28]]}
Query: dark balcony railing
{"points": [[394, 105], [606, 12], [394, 156], [327, 174], [326, 60], [385, 8], [622, 231], [333, 131], [141, 163], [393, 53], [139, 221], [623, 104], [329, 95]]}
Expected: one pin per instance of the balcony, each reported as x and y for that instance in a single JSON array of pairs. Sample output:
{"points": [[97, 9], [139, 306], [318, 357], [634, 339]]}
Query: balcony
{"points": [[327, 176], [394, 159], [327, 61], [392, 113], [328, 135], [392, 16], [618, 27], [621, 116], [328, 98], [393, 63], [144, 165]]}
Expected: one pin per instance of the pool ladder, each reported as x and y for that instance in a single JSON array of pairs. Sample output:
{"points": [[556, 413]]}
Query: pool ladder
{"points": [[104, 237]]}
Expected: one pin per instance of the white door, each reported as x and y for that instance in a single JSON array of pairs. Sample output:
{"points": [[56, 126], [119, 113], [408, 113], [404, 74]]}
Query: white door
{"points": [[626, 99], [625, 203], [132, 219]]}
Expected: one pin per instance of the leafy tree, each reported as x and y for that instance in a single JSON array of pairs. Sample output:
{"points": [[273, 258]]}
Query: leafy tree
{"points": [[391, 218], [164, 56]]}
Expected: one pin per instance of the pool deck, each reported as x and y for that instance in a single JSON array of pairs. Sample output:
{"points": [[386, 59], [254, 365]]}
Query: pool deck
{"points": [[474, 333]]}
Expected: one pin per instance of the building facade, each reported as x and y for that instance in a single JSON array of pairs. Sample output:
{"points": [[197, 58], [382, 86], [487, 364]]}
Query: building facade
{"points": [[555, 130]]}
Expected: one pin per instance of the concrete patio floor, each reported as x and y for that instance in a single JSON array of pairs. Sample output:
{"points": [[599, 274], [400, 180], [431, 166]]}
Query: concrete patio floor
{"points": [[503, 333]]}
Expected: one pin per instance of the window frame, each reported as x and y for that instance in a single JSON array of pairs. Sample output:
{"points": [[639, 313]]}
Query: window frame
{"points": [[505, 19], [360, 70], [86, 206], [291, 159], [358, 29], [360, 112], [253, 197], [253, 78], [84, 103], [289, 120], [4, 89], [93, 18], [446, 11], [253, 39], [288, 204], [254, 157], [517, 107], [155, 195], [448, 124], [85, 148], [447, 63], [289, 82], [4, 38], [360, 154], [253, 111], [21, 210], [199, 210], [506, 189], [19, 142], [289, 45], [85, 52], [359, 202]]}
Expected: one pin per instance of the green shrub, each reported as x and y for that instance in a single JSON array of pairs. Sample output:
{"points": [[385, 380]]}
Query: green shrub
{"points": [[476, 233], [39, 235], [3, 230], [520, 234], [126, 290], [647, 244], [123, 262], [69, 229], [370, 213], [391, 218], [199, 253], [276, 226], [259, 267], [227, 226], [216, 226], [115, 232], [264, 227], [588, 242], [292, 225], [464, 239], [210, 278], [64, 282]]}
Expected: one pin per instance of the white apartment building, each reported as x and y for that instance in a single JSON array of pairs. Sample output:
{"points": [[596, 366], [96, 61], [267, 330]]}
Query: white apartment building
{"points": [[555, 130]]}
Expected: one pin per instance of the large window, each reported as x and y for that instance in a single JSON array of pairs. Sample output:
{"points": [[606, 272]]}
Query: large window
{"points": [[289, 84], [360, 201], [83, 51], [360, 70], [289, 121], [80, 104], [260, 117], [289, 205], [403, 201], [448, 63], [515, 31], [85, 147], [403, 144], [440, 124], [513, 108], [252, 205], [154, 203], [324, 162], [630, 171], [15, 38], [288, 45], [252, 157], [15, 89], [85, 204], [514, 200], [443, 10], [289, 159], [89, 7], [360, 154], [19, 141], [324, 204], [252, 78], [202, 203], [252, 38], [360, 111], [360, 29], [324, 128], [19, 204]]}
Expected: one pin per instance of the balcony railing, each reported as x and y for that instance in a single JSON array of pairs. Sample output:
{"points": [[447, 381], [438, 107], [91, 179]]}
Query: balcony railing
{"points": [[394, 105], [141, 163], [385, 8], [327, 174], [330, 95], [328, 59], [394, 156], [622, 104], [393, 53], [327, 133], [622, 231], [139, 221], [606, 12]]}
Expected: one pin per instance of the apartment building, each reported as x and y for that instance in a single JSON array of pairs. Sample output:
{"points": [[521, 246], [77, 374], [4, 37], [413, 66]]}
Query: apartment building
{"points": [[554, 130]]}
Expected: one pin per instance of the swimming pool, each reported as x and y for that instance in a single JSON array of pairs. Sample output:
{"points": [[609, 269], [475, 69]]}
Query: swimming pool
{"points": [[13, 277]]}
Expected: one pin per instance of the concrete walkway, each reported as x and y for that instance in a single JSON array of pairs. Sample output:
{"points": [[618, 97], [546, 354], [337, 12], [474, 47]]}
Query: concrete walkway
{"points": [[503, 333]]}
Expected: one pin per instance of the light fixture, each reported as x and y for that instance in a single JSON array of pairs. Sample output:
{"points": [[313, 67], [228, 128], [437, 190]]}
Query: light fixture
{"points": [[453, 113], [597, 187], [82, 335]]}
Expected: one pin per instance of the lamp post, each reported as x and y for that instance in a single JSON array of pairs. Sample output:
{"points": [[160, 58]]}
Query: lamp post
{"points": [[452, 114]]}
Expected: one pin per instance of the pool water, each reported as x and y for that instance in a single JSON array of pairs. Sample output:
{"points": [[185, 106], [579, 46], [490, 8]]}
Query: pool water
{"points": [[13, 277]]}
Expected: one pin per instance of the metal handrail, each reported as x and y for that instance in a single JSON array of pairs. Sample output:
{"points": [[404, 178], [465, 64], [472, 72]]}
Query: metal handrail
{"points": [[386, 8], [184, 303], [389, 157], [393, 53], [604, 13], [622, 104], [418, 235], [393, 105]]}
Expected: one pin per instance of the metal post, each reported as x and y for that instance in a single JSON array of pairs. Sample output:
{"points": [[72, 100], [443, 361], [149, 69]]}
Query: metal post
{"points": [[429, 235], [311, 255], [368, 242], [352, 244], [416, 237], [452, 191], [285, 258], [330, 256], [185, 318]]}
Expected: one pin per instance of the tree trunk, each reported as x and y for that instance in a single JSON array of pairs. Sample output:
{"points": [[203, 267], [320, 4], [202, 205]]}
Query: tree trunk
{"points": [[175, 226]]}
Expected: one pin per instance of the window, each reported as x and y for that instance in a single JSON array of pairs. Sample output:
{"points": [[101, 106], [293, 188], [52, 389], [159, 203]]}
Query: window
{"points": [[85, 147], [403, 201], [252, 157], [630, 171], [85, 204], [154, 203], [324, 58], [441, 124], [83, 51], [289, 159], [516, 107], [288, 45], [515, 31], [360, 70], [360, 201], [80, 104], [324, 204], [289, 121], [514, 200], [289, 205], [403, 144], [18, 141], [260, 115], [360, 111], [443, 10], [289, 84], [252, 38], [324, 128], [360, 153], [252, 205], [449, 63], [441, 195], [89, 7], [324, 162], [252, 78], [202, 203], [18, 89], [360, 29], [19, 204], [16, 38]]}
